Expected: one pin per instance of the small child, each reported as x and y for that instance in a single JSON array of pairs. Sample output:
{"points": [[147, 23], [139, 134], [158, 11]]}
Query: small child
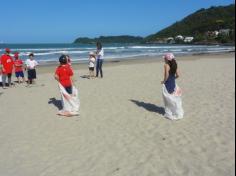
{"points": [[31, 68], [18, 63], [69, 94], [64, 74], [92, 60]]}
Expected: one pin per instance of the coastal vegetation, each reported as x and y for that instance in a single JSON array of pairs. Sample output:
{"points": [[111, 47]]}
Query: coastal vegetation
{"points": [[110, 39], [215, 25]]}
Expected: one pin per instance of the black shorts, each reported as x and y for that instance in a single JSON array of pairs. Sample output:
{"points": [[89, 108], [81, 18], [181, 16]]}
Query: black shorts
{"points": [[32, 74], [91, 68], [69, 89]]}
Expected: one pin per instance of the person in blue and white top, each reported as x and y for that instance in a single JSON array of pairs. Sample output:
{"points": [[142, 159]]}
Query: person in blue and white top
{"points": [[100, 55]]}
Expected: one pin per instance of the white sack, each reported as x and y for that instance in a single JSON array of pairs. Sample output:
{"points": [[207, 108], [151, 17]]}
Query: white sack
{"points": [[70, 103], [173, 104]]}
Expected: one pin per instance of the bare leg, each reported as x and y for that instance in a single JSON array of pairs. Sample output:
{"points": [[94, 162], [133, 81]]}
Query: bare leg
{"points": [[9, 80], [18, 80], [4, 77]]}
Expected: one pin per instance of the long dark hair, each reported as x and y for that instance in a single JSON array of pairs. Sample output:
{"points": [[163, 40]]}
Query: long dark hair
{"points": [[173, 66], [99, 45]]}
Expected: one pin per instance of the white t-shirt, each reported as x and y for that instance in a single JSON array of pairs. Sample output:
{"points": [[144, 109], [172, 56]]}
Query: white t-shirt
{"points": [[92, 62], [100, 54], [31, 64]]}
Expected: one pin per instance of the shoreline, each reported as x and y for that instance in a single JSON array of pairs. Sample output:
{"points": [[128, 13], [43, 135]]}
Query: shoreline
{"points": [[50, 68]]}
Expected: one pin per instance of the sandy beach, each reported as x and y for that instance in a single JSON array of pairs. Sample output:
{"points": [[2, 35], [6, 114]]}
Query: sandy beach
{"points": [[121, 130]]}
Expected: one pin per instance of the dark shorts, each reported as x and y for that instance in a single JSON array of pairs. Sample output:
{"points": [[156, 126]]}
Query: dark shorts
{"points": [[20, 74], [91, 68], [32, 74], [69, 90]]}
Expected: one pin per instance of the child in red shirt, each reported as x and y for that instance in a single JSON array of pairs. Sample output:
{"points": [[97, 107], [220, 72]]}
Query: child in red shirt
{"points": [[64, 74], [19, 68], [7, 65]]}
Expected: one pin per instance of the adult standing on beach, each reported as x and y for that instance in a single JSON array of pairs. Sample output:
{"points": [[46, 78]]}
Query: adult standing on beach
{"points": [[7, 65], [100, 55], [171, 92]]}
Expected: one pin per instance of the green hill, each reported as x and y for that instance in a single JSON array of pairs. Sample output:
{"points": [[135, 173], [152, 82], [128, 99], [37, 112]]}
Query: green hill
{"points": [[198, 23], [110, 39]]}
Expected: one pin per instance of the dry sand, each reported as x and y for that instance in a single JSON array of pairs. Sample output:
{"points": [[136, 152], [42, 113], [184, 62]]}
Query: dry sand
{"points": [[121, 130]]}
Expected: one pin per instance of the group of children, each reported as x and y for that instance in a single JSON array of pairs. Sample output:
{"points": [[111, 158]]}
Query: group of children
{"points": [[10, 65]]}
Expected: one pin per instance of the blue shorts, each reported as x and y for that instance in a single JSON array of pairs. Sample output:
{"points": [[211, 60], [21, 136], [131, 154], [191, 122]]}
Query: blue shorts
{"points": [[20, 74]]}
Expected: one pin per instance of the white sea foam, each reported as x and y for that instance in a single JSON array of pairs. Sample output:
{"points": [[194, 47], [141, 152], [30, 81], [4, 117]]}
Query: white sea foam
{"points": [[80, 53], [113, 48]]}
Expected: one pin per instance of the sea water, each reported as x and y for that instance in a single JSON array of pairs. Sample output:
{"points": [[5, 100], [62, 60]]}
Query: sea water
{"points": [[47, 53]]}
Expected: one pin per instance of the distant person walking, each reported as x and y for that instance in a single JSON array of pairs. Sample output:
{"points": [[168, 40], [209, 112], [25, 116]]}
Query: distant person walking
{"points": [[100, 55], [6, 65], [171, 92]]}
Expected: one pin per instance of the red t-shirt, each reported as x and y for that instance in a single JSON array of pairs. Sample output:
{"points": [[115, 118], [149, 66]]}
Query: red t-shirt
{"points": [[7, 63], [64, 73], [18, 65]]}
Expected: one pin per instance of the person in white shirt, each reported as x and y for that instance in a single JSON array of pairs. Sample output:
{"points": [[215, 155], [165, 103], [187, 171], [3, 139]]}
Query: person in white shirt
{"points": [[31, 68], [92, 60], [100, 55]]}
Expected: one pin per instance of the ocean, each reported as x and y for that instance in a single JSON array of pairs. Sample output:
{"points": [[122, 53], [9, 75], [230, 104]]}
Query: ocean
{"points": [[47, 53]]}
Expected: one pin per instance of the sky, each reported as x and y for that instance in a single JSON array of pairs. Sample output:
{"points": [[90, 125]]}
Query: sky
{"points": [[62, 21]]}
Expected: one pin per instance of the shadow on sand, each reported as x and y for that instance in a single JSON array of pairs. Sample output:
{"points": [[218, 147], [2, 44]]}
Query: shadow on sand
{"points": [[56, 103], [149, 107], [85, 76]]}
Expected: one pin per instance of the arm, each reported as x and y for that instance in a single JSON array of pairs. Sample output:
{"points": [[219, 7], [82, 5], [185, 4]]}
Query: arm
{"points": [[3, 69], [72, 76], [56, 77], [1, 65], [72, 80], [35, 64], [177, 74], [166, 73], [18, 65], [100, 53]]}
